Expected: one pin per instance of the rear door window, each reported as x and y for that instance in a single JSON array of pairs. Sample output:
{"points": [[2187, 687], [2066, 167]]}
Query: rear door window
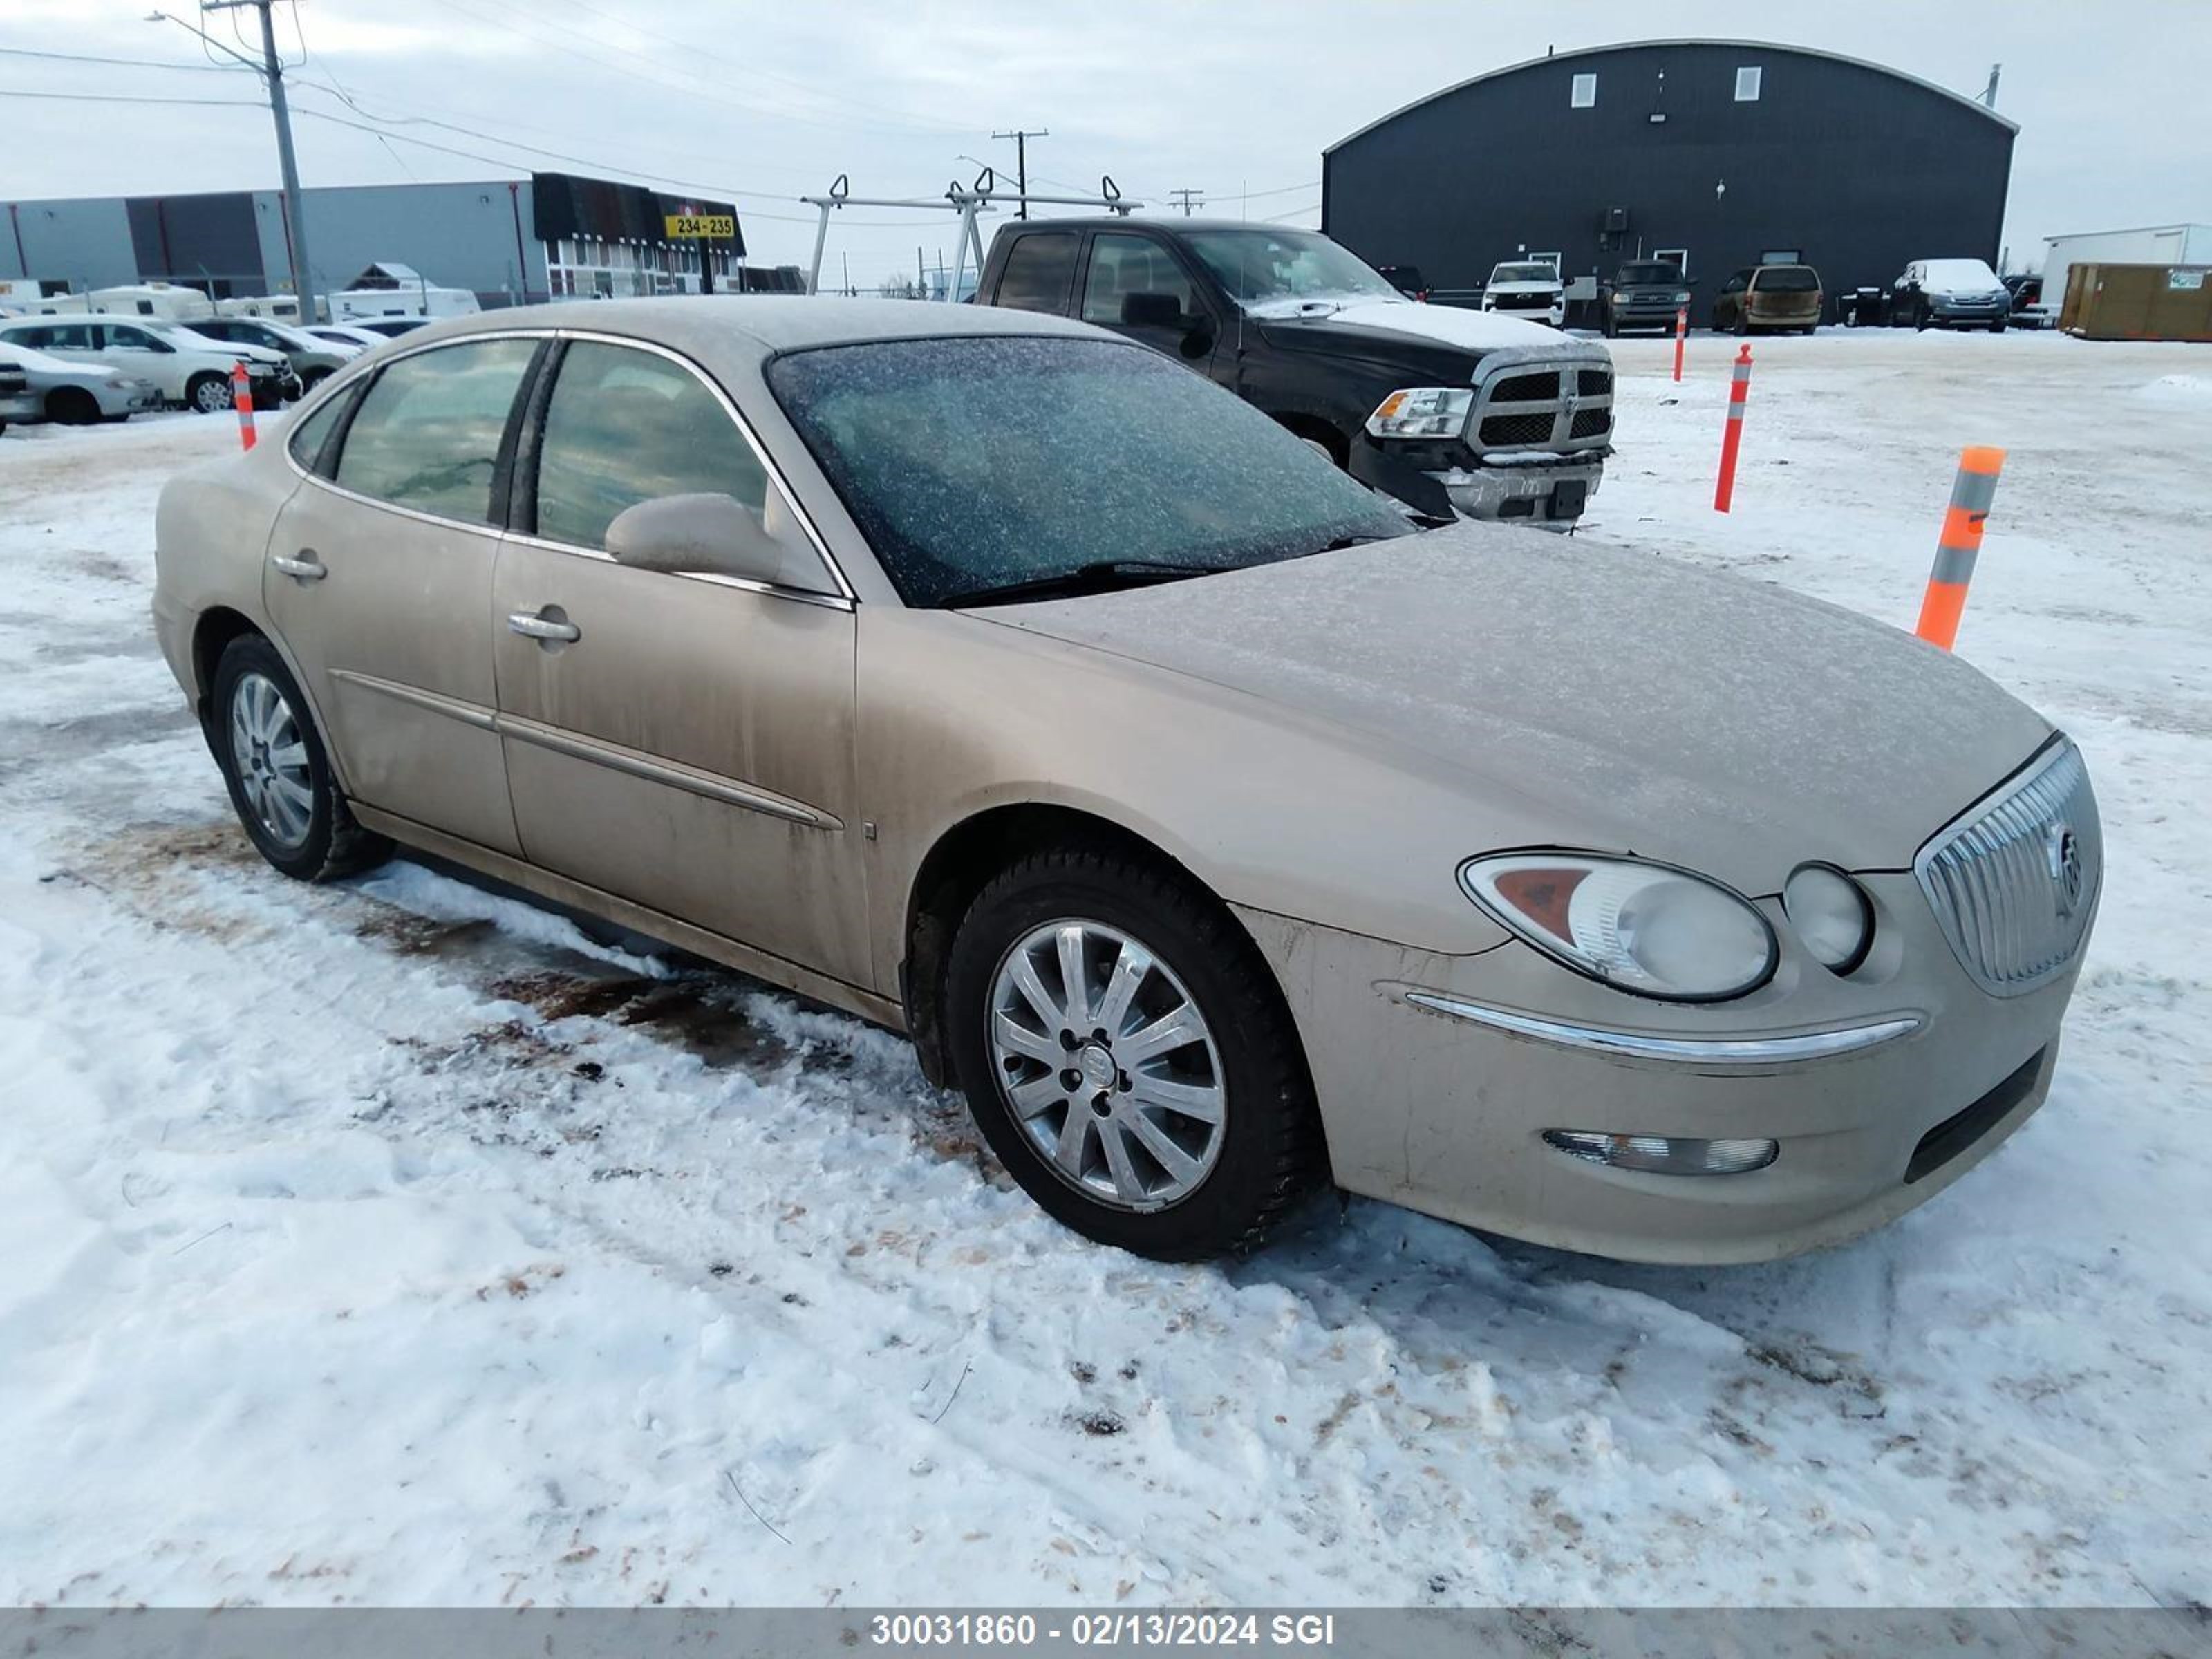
{"points": [[428, 433], [1040, 271]]}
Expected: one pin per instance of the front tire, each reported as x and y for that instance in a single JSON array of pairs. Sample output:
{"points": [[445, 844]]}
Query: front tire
{"points": [[71, 405], [1126, 1054], [208, 393], [278, 774]]}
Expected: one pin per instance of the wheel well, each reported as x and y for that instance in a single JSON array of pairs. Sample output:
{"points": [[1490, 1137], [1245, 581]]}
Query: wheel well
{"points": [[1313, 427], [958, 867], [64, 398], [218, 627]]}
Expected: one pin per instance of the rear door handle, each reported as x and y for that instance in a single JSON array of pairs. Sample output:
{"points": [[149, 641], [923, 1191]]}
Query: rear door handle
{"points": [[548, 626], [306, 567]]}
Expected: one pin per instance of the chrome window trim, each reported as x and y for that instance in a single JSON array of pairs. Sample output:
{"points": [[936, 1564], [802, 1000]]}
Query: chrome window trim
{"points": [[1794, 1049], [844, 599]]}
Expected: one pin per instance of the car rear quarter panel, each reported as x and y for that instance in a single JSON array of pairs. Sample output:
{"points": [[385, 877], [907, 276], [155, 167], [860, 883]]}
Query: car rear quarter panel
{"points": [[211, 530]]}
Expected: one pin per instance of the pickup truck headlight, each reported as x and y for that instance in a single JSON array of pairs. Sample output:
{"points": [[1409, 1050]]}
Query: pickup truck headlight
{"points": [[1683, 296], [1643, 927], [1429, 411]]}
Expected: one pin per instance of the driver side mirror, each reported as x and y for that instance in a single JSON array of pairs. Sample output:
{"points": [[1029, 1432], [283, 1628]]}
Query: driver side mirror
{"points": [[709, 534]]}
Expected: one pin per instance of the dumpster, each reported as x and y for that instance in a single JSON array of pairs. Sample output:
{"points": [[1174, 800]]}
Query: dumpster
{"points": [[2138, 302]]}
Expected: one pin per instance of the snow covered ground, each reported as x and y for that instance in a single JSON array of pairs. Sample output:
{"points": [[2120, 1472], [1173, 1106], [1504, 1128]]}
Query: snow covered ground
{"points": [[391, 1243]]}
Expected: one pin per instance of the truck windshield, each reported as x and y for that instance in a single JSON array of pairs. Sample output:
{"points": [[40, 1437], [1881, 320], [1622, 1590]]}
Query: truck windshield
{"points": [[1530, 273], [1652, 273], [1000, 468], [1257, 266]]}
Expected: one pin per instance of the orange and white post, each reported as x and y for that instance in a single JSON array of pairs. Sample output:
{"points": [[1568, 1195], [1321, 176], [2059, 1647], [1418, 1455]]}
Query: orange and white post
{"points": [[1681, 332], [1972, 493], [242, 398], [1739, 391]]}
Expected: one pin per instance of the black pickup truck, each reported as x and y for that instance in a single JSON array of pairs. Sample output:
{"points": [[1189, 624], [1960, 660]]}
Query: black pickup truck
{"points": [[1448, 409]]}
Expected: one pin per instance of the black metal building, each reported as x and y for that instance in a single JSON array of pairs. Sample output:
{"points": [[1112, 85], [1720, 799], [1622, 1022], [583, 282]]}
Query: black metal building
{"points": [[1718, 154]]}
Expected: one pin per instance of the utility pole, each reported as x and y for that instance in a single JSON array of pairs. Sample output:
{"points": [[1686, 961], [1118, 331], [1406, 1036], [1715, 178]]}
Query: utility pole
{"points": [[1022, 161], [1184, 198], [272, 70]]}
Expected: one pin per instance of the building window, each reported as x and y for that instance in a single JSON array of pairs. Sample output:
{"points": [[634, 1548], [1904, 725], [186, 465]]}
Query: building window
{"points": [[1585, 95], [1677, 256], [1781, 256], [1746, 84]]}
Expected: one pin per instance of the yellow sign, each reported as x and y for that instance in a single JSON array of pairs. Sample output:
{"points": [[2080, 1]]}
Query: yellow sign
{"points": [[713, 227]]}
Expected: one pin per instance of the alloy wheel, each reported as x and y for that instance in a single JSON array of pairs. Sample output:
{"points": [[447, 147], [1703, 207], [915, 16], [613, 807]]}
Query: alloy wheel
{"points": [[1107, 1064], [270, 757]]}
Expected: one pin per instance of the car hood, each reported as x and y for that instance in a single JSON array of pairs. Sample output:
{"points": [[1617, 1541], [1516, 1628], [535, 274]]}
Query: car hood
{"points": [[1524, 288], [1381, 322], [1595, 698]]}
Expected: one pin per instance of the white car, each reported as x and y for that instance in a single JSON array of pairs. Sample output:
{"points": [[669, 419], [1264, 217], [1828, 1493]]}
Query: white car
{"points": [[1526, 288], [75, 394], [17, 401], [188, 368]]}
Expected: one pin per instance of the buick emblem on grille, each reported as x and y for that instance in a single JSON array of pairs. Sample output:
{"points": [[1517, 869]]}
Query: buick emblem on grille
{"points": [[2064, 852]]}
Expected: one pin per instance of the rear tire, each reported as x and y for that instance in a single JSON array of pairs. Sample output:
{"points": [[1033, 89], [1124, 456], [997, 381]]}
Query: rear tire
{"points": [[279, 776], [1060, 1102]]}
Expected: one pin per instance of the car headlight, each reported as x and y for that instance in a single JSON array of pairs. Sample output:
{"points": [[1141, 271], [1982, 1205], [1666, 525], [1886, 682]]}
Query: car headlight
{"points": [[1683, 296], [1831, 914], [118, 383], [1429, 411], [1647, 928]]}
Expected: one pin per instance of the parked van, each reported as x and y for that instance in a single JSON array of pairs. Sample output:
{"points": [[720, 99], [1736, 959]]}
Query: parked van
{"points": [[1769, 298]]}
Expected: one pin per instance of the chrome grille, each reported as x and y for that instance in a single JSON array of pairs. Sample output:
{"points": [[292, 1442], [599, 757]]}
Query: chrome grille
{"points": [[2015, 882], [1522, 405]]}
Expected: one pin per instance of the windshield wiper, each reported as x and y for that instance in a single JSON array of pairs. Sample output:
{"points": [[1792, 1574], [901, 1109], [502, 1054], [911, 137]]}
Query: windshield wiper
{"points": [[1099, 576]]}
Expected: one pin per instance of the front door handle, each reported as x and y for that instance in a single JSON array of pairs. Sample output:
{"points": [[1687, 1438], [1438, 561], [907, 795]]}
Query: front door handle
{"points": [[306, 567], [547, 627]]}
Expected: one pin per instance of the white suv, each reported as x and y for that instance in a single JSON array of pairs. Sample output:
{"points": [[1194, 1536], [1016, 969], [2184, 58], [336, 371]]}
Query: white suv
{"points": [[189, 368]]}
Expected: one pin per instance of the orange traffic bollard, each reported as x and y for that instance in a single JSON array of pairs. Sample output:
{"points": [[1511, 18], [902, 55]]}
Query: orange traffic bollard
{"points": [[1971, 493], [1681, 329], [1739, 390], [242, 398]]}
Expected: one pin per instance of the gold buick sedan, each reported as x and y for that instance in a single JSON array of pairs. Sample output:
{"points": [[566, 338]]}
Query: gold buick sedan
{"points": [[1217, 828]]}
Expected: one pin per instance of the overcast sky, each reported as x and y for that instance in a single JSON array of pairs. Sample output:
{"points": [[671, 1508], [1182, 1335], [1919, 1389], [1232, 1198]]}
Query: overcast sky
{"points": [[764, 101]]}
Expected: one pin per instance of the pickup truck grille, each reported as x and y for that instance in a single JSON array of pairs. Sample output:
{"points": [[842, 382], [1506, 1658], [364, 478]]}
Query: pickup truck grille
{"points": [[1527, 405]]}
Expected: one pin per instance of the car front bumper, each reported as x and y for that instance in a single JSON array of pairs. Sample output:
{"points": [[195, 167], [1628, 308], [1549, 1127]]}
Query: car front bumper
{"points": [[1646, 313], [1943, 310], [1549, 491], [1444, 1110]]}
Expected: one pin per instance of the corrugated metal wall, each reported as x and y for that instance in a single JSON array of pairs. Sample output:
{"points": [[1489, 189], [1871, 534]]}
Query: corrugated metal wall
{"points": [[1862, 169]]}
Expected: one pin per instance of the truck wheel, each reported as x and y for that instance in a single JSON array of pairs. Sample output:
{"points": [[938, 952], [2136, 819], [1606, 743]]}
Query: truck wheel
{"points": [[1126, 1054], [1743, 325], [71, 405], [208, 393]]}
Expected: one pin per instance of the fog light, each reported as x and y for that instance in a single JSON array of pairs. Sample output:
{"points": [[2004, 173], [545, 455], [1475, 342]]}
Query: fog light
{"points": [[1664, 1154]]}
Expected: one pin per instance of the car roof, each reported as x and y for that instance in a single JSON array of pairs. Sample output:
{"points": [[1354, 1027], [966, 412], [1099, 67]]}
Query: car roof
{"points": [[759, 325]]}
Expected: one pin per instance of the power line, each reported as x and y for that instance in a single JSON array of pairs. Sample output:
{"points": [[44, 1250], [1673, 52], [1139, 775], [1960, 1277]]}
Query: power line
{"points": [[120, 98], [124, 63]]}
